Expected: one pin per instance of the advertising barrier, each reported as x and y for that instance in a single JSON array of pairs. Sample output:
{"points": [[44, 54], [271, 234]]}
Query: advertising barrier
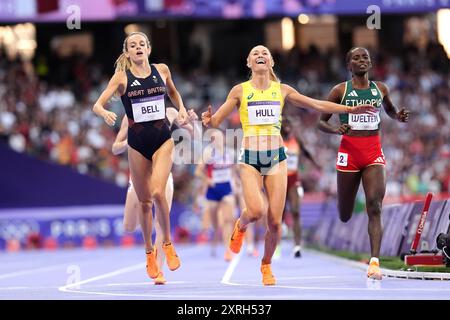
{"points": [[399, 222]]}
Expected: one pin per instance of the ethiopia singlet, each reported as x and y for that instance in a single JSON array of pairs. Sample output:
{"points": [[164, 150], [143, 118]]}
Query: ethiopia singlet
{"points": [[358, 152], [260, 110], [353, 97]]}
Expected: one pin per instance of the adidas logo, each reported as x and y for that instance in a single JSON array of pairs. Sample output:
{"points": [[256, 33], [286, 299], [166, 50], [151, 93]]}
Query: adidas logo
{"points": [[379, 159], [135, 83], [352, 94]]}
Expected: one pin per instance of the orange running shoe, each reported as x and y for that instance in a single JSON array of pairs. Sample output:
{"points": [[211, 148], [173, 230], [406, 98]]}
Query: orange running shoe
{"points": [[152, 265], [228, 255], [374, 271], [268, 278], [173, 262], [236, 238], [160, 279]]}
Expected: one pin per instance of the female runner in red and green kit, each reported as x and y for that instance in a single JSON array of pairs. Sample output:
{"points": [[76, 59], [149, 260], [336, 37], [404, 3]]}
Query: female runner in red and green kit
{"points": [[360, 156]]}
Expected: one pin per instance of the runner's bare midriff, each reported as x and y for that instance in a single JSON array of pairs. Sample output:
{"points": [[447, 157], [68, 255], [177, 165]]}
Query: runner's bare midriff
{"points": [[262, 143], [362, 133]]}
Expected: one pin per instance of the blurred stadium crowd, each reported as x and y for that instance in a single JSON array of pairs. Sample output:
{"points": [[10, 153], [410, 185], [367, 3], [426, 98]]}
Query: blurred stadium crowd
{"points": [[46, 111]]}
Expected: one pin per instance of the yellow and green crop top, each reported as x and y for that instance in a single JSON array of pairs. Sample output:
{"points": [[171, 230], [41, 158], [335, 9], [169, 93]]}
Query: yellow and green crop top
{"points": [[260, 110]]}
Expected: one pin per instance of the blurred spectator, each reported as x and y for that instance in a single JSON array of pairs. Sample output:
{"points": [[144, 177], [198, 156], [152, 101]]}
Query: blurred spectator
{"points": [[48, 115]]}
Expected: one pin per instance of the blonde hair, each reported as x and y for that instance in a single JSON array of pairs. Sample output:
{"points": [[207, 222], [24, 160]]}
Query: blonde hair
{"points": [[272, 74], [123, 63]]}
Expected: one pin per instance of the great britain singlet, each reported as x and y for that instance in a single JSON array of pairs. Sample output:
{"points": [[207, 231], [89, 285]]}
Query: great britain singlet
{"points": [[144, 103]]}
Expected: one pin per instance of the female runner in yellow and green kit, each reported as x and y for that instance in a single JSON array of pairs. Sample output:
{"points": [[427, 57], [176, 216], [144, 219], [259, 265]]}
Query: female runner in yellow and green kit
{"points": [[260, 101]]}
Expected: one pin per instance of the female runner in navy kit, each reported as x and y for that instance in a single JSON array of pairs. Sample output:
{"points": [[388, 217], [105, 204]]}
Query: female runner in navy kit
{"points": [[142, 88], [132, 207]]}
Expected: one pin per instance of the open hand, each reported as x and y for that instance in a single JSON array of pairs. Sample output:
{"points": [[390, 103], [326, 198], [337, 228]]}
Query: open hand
{"points": [[109, 117], [364, 108], [192, 115], [206, 116], [403, 115], [182, 117], [343, 129]]}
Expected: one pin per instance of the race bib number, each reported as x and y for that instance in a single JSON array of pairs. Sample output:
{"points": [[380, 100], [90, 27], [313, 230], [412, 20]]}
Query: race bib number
{"points": [[241, 155], [364, 121], [148, 108], [263, 112], [292, 162], [221, 175], [342, 159]]}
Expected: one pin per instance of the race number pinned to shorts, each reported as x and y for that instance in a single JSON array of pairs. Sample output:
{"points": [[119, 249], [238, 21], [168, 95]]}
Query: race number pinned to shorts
{"points": [[148, 108], [342, 159], [221, 175], [292, 162], [241, 155], [263, 112]]}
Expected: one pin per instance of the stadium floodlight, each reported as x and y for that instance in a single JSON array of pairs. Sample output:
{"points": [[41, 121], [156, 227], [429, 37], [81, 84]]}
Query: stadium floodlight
{"points": [[443, 29], [287, 33], [132, 27], [303, 18], [19, 40]]}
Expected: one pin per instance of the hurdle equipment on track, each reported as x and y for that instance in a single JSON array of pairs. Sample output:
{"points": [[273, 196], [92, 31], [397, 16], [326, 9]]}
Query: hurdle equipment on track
{"points": [[428, 258]]}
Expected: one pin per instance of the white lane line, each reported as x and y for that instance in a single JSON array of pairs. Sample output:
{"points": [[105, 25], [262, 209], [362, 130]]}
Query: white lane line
{"points": [[25, 288], [132, 268], [140, 283], [375, 287], [74, 287], [411, 275], [229, 272], [32, 271], [185, 297], [306, 278]]}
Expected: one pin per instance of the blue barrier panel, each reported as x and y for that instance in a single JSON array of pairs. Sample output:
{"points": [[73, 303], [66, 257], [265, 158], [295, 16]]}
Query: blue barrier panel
{"points": [[69, 226], [27, 182]]}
